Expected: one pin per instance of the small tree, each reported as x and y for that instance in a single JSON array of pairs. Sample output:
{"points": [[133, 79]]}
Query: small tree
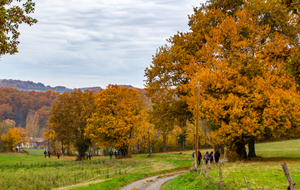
{"points": [[11, 138]]}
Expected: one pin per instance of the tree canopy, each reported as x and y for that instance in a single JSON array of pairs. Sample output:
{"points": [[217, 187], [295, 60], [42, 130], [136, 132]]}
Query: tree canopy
{"points": [[119, 119], [228, 50], [12, 15]]}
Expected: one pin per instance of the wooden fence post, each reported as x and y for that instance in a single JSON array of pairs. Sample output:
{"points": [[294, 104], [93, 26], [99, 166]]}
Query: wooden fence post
{"points": [[288, 176], [202, 168], [220, 175], [195, 161], [207, 168], [246, 183]]}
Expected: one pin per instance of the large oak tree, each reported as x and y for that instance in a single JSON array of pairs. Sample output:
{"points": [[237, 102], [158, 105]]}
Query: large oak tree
{"points": [[69, 116], [168, 72]]}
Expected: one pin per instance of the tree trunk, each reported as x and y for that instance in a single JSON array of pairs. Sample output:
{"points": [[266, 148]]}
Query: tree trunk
{"points": [[82, 147], [149, 146], [241, 151], [125, 150], [164, 142], [251, 145], [138, 146], [68, 148]]}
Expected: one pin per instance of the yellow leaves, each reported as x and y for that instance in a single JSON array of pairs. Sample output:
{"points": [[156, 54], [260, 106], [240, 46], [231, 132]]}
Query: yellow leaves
{"points": [[237, 86], [119, 117], [12, 138]]}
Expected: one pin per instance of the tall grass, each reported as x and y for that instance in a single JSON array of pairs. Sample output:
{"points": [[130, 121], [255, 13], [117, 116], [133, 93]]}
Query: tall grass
{"points": [[263, 172]]}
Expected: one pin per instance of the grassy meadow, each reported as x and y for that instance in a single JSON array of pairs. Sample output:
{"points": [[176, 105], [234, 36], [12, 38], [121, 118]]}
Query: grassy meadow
{"points": [[33, 171], [264, 172]]}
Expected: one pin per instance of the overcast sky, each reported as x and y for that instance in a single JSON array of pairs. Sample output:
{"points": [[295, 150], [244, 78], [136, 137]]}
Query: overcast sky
{"points": [[85, 43]]}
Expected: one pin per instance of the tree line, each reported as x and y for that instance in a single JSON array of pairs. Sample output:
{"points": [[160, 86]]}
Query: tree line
{"points": [[114, 118]]}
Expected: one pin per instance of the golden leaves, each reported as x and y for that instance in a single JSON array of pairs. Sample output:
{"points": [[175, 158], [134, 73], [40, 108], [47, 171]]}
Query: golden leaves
{"points": [[11, 138], [119, 117]]}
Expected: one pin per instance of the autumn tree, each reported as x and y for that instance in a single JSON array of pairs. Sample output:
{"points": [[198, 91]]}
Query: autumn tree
{"points": [[168, 72], [68, 118], [118, 120], [50, 136], [32, 124], [4, 128], [12, 15], [238, 87], [11, 138], [5, 125], [23, 134]]}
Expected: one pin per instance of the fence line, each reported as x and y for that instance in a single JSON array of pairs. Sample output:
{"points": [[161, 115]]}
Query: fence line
{"points": [[287, 174], [103, 175]]}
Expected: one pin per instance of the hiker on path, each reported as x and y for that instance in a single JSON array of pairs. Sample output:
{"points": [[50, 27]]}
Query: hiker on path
{"points": [[206, 157], [211, 157], [110, 154], [217, 156], [45, 153], [116, 153], [199, 157], [49, 153], [58, 154], [90, 155]]}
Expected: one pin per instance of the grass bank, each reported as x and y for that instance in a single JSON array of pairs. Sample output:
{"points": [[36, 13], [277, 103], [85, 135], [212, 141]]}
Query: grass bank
{"points": [[263, 172]]}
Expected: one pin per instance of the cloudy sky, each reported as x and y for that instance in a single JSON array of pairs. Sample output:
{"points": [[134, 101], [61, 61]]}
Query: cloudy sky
{"points": [[88, 43]]}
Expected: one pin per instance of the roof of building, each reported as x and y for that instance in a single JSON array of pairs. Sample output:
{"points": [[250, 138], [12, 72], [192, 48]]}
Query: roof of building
{"points": [[37, 140]]}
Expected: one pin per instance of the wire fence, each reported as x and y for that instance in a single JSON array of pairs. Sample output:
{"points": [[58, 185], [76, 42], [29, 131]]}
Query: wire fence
{"points": [[106, 174]]}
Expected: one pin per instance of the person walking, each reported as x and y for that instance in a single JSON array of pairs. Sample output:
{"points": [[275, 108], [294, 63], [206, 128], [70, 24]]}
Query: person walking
{"points": [[217, 156], [49, 153], [116, 153], [199, 157], [90, 155], [206, 158], [110, 154], [87, 155], [211, 157], [58, 154], [45, 153]]}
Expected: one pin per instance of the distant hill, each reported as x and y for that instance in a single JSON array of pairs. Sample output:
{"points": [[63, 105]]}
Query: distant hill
{"points": [[29, 85]]}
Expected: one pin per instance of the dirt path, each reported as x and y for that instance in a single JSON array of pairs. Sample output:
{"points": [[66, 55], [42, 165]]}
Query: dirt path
{"points": [[152, 183]]}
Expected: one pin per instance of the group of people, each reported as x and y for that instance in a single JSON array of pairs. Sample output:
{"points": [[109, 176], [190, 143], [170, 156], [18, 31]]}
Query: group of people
{"points": [[49, 153], [89, 155], [116, 153], [208, 157]]}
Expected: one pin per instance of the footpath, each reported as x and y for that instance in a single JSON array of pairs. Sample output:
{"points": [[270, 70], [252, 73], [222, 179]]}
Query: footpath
{"points": [[152, 183]]}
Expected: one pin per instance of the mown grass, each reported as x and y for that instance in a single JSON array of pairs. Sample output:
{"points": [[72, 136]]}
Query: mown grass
{"points": [[264, 172], [33, 171]]}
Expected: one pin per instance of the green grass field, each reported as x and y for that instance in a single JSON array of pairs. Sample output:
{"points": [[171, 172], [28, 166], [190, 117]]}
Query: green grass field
{"points": [[33, 171], [264, 172]]}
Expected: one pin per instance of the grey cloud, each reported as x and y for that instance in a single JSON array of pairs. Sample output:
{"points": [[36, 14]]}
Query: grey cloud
{"points": [[98, 42]]}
